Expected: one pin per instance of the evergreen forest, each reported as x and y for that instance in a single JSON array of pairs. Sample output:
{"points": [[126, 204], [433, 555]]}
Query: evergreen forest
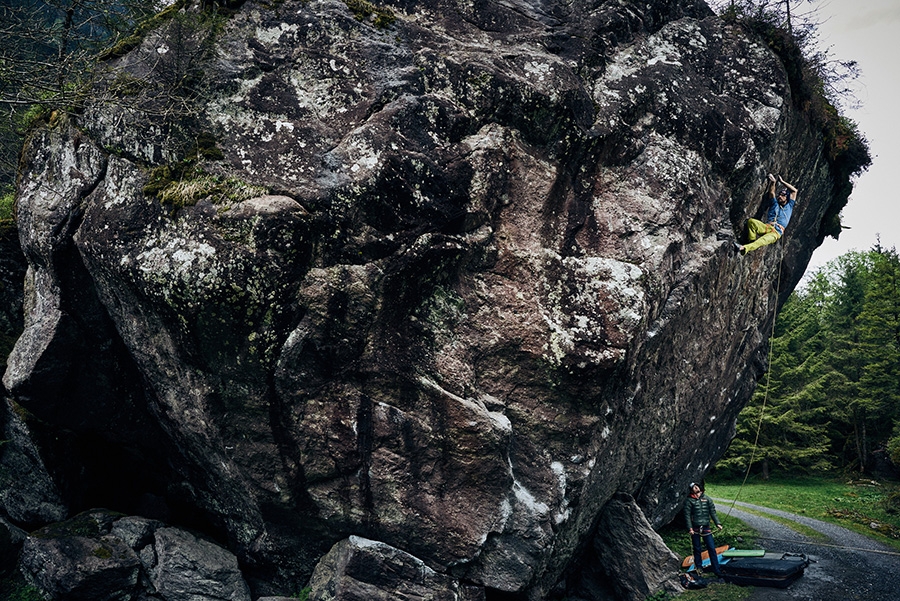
{"points": [[830, 402]]}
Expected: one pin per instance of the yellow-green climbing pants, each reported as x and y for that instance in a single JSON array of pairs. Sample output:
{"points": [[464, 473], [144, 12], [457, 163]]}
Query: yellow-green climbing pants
{"points": [[760, 234]]}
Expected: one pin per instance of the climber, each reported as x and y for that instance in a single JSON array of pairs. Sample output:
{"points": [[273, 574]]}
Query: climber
{"points": [[777, 217], [699, 513]]}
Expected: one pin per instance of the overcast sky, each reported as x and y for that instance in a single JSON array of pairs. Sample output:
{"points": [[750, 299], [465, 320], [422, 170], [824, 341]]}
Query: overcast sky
{"points": [[868, 31]]}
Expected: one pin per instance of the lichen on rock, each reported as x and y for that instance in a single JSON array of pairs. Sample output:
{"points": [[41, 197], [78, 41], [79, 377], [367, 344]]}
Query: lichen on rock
{"points": [[478, 281]]}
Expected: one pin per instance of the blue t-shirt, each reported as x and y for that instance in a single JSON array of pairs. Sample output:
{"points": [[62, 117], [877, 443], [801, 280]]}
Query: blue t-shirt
{"points": [[780, 215]]}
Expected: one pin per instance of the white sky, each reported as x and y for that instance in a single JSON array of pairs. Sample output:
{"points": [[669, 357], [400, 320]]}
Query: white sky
{"points": [[868, 31]]}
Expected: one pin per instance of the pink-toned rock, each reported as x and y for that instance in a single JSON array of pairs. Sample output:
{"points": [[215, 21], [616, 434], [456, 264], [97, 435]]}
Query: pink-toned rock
{"points": [[448, 286]]}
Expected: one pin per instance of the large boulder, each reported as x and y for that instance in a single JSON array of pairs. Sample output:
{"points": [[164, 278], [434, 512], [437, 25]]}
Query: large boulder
{"points": [[358, 569], [189, 568], [102, 556], [28, 495], [627, 545], [81, 568], [447, 282], [79, 559]]}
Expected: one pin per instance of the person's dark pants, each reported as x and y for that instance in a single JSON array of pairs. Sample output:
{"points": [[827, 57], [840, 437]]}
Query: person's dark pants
{"points": [[706, 534]]}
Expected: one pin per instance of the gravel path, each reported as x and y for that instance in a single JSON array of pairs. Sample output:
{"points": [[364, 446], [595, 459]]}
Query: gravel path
{"points": [[844, 567]]}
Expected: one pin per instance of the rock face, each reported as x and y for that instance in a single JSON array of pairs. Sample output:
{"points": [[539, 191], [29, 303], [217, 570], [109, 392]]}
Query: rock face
{"points": [[12, 271], [100, 556], [358, 569], [437, 289], [626, 545]]}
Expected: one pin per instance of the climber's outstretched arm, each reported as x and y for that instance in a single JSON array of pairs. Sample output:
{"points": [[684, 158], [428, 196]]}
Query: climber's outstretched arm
{"points": [[788, 186]]}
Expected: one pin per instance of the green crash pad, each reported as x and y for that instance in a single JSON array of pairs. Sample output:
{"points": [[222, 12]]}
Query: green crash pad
{"points": [[744, 553]]}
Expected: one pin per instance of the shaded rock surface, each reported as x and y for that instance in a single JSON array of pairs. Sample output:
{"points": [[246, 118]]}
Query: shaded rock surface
{"points": [[358, 569], [12, 272], [447, 286], [626, 545], [28, 495], [101, 556]]}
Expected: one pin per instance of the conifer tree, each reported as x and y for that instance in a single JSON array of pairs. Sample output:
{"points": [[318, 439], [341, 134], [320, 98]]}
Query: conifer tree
{"points": [[880, 332], [833, 395], [785, 418]]}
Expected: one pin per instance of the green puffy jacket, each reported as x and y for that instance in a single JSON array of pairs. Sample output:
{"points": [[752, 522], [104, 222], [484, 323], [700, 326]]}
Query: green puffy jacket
{"points": [[700, 512]]}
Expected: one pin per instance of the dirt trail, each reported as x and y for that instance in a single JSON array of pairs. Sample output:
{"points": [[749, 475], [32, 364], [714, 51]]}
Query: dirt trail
{"points": [[846, 566]]}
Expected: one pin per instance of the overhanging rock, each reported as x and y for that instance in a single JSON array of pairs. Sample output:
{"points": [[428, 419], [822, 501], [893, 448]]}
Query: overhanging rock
{"points": [[448, 285]]}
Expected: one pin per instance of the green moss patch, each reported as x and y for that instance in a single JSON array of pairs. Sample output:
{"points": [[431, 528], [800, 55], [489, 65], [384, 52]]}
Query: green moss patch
{"points": [[185, 185], [7, 209], [126, 44], [83, 524], [364, 10]]}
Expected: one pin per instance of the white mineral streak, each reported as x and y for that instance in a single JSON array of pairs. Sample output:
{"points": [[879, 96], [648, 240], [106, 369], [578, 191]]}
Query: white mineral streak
{"points": [[563, 512], [527, 501]]}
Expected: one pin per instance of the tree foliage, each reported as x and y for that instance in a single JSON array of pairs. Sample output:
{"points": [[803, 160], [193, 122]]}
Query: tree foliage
{"points": [[49, 57], [831, 398], [791, 28], [55, 56]]}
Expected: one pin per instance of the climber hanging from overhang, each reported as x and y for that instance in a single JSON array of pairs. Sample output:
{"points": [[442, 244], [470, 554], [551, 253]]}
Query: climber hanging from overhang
{"points": [[777, 217]]}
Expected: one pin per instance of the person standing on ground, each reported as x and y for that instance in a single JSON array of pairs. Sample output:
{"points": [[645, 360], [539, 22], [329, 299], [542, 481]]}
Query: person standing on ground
{"points": [[699, 513], [777, 217]]}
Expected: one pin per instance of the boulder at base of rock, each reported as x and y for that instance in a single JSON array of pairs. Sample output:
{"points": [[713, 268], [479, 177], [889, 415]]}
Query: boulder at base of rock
{"points": [[99, 555], [11, 539], [632, 552], [189, 569], [359, 569], [79, 568], [28, 496]]}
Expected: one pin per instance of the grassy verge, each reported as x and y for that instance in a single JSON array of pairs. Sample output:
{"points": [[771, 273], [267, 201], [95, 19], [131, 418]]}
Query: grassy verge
{"points": [[717, 592], [859, 506], [795, 526], [735, 533]]}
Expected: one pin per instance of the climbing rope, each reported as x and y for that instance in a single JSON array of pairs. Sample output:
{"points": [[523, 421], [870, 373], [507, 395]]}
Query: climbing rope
{"points": [[762, 410]]}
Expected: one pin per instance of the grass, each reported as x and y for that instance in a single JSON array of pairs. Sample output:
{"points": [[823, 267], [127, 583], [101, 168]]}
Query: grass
{"points": [[795, 526], [735, 533], [717, 592], [183, 185], [855, 506]]}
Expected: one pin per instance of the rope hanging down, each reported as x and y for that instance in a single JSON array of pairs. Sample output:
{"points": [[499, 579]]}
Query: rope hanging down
{"points": [[762, 410], [759, 428]]}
